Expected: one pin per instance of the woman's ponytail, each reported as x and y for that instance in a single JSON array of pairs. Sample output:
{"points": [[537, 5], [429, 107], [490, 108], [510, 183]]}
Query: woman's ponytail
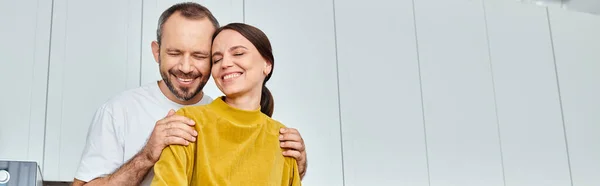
{"points": [[266, 102]]}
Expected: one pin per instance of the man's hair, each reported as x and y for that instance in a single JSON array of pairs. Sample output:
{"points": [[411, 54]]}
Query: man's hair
{"points": [[188, 10]]}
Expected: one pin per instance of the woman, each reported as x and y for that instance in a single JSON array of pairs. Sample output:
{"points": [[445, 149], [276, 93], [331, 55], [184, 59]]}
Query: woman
{"points": [[237, 139]]}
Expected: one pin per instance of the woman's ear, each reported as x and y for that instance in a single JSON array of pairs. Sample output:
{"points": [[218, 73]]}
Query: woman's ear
{"points": [[267, 69]]}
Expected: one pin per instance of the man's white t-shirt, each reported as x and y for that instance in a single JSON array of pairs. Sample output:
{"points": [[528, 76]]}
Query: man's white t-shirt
{"points": [[120, 129]]}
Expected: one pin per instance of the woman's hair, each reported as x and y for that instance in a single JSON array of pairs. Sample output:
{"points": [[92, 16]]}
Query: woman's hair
{"points": [[263, 45]]}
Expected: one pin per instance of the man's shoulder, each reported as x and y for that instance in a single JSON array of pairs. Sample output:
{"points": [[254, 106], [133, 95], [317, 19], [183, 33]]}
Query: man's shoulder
{"points": [[206, 99], [132, 96], [202, 106]]}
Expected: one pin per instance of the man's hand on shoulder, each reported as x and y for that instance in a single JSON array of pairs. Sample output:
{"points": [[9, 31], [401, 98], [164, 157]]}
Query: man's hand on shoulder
{"points": [[171, 130], [292, 141]]}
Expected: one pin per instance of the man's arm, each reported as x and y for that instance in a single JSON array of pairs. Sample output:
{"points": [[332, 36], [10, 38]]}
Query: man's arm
{"points": [[173, 129], [131, 173]]}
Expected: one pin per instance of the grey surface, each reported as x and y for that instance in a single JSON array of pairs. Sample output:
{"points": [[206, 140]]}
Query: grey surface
{"points": [[22, 173], [53, 183]]}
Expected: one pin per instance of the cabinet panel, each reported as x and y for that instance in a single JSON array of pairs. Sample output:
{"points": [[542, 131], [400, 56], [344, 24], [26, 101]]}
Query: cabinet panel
{"points": [[24, 51], [531, 128], [577, 51], [225, 11], [383, 139], [304, 81], [458, 95], [94, 55]]}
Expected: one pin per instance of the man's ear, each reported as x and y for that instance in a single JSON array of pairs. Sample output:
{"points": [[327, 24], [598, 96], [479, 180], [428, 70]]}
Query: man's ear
{"points": [[155, 51]]}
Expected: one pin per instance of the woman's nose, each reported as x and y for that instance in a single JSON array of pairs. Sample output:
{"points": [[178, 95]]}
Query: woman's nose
{"points": [[226, 62]]}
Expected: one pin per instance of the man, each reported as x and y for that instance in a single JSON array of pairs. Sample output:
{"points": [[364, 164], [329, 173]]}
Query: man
{"points": [[118, 150]]}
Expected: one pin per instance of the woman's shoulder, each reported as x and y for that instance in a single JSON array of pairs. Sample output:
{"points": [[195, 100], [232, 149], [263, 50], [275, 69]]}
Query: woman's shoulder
{"points": [[273, 122], [192, 110], [275, 126], [198, 113]]}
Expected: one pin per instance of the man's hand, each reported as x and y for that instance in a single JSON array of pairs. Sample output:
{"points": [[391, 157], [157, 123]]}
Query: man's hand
{"points": [[292, 141], [171, 130]]}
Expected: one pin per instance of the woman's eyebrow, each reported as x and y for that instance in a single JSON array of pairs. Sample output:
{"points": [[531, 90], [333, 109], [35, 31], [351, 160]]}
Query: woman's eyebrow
{"points": [[236, 47]]}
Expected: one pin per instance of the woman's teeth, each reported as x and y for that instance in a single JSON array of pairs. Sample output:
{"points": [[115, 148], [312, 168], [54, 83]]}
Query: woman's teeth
{"points": [[229, 76]]}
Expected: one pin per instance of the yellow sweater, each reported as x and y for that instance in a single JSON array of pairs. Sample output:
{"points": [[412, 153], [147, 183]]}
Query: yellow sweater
{"points": [[233, 147]]}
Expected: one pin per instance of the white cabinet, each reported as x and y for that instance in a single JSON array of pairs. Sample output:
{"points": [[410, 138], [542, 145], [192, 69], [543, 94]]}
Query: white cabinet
{"points": [[458, 94], [225, 11], [304, 81], [529, 114], [24, 50], [380, 95], [577, 49], [95, 54]]}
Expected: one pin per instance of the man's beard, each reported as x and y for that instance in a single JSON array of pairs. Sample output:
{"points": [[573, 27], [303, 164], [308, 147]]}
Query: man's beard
{"points": [[185, 93]]}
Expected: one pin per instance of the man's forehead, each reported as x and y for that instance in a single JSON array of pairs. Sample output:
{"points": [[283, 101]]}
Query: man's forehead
{"points": [[177, 24], [188, 37], [189, 28]]}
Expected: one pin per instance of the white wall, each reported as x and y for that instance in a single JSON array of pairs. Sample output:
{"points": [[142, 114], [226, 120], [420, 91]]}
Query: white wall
{"points": [[490, 90], [24, 51], [466, 92], [527, 98], [457, 93], [576, 49], [91, 59], [380, 96]]}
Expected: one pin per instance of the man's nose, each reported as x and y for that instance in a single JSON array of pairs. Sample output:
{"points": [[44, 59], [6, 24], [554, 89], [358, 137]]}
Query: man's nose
{"points": [[185, 65]]}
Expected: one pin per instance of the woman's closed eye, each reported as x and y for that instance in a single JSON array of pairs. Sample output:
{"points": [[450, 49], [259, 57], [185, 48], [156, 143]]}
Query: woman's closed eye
{"points": [[216, 60], [219, 58]]}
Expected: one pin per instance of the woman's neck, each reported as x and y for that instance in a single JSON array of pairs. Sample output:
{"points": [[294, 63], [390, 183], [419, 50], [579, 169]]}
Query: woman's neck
{"points": [[247, 101]]}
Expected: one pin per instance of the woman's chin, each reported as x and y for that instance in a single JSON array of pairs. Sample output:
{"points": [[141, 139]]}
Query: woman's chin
{"points": [[231, 92]]}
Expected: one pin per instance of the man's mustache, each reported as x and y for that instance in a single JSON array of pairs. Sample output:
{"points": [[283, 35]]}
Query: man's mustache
{"points": [[180, 74]]}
